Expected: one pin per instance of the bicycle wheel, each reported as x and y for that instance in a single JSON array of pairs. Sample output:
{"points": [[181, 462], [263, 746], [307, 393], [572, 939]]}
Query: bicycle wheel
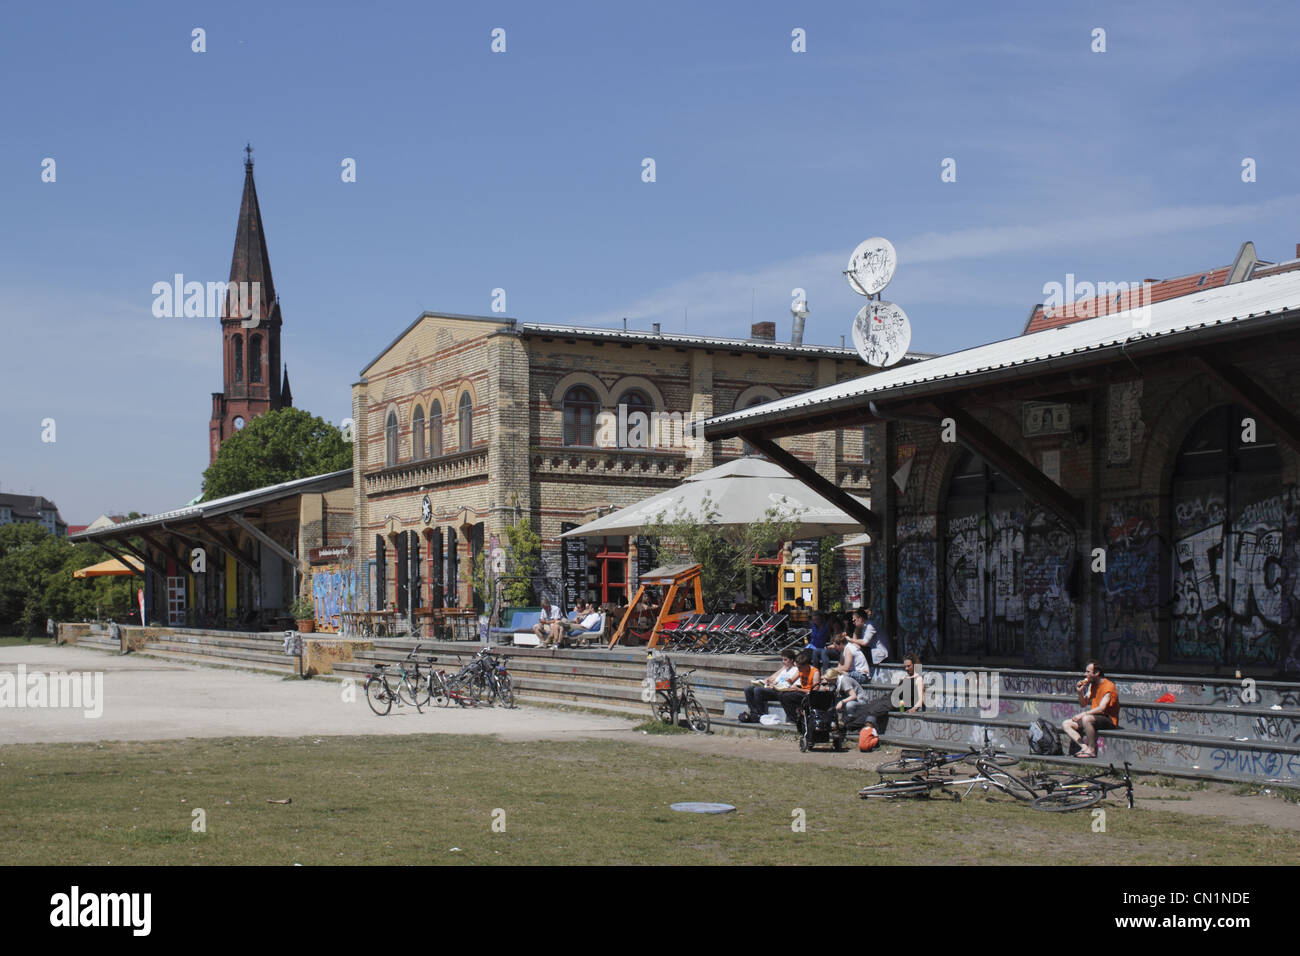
{"points": [[378, 696], [662, 707], [892, 789], [1069, 798], [908, 766], [697, 718], [409, 693], [459, 690], [438, 691], [1000, 759], [505, 690], [1008, 783]]}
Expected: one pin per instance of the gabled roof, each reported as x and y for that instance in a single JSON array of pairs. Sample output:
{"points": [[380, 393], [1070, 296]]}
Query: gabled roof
{"points": [[1043, 318], [681, 340], [1225, 312]]}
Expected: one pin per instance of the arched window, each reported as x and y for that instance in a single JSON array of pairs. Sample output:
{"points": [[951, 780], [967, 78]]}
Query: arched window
{"points": [[466, 422], [239, 358], [580, 407], [390, 440], [640, 433], [417, 433], [435, 430], [255, 359], [1230, 588]]}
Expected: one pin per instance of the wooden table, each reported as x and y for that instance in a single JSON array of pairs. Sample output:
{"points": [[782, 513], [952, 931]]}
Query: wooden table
{"points": [[371, 623], [456, 623]]}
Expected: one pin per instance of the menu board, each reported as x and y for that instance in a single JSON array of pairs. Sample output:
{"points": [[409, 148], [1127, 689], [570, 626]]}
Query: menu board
{"points": [[811, 550], [574, 566]]}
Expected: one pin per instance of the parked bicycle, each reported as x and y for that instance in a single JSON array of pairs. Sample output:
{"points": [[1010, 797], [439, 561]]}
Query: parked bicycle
{"points": [[383, 688], [670, 694]]}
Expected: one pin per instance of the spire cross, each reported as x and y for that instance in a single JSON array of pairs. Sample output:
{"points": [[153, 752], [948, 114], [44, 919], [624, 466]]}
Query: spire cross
{"points": [[248, 154]]}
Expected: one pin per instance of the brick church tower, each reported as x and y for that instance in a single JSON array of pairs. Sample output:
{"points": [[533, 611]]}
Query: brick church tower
{"points": [[250, 330]]}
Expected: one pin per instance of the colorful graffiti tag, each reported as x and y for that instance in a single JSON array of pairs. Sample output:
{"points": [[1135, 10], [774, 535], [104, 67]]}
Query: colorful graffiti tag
{"points": [[1236, 578], [334, 590], [1130, 584]]}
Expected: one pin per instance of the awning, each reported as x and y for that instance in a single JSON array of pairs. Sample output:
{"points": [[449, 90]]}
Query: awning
{"points": [[857, 541], [111, 567]]}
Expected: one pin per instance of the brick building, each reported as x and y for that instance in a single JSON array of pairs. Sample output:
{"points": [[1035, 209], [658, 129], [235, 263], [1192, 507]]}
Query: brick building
{"points": [[1112, 484], [464, 423], [252, 383]]}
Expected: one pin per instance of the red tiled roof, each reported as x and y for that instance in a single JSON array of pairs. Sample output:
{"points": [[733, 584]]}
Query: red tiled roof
{"points": [[1159, 291]]}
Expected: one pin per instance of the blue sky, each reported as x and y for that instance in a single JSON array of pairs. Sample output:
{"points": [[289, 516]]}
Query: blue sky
{"points": [[522, 170]]}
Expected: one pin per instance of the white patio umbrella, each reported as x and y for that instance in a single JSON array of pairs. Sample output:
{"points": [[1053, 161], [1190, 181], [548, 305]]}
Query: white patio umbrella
{"points": [[740, 492], [857, 541]]}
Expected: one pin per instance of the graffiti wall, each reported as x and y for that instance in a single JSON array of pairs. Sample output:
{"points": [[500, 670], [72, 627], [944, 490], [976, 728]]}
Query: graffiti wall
{"points": [[984, 580], [917, 606], [334, 589], [1129, 635], [1236, 574], [1050, 575]]}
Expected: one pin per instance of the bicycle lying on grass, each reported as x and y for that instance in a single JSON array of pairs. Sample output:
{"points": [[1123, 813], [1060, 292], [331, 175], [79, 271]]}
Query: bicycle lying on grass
{"points": [[1071, 791], [987, 774], [924, 761]]}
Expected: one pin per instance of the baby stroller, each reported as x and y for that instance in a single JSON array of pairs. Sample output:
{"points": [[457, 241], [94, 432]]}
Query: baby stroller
{"points": [[819, 721]]}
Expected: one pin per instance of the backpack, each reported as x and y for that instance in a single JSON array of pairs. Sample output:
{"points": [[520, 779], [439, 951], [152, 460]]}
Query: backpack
{"points": [[1043, 739], [867, 740]]}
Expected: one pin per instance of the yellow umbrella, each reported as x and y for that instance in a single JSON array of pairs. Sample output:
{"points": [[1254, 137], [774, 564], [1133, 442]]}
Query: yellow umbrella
{"points": [[111, 567]]}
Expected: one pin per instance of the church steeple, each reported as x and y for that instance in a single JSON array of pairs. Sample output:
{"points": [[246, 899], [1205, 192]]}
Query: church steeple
{"points": [[251, 262], [250, 328]]}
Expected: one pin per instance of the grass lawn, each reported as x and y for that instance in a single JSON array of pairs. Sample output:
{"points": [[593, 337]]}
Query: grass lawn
{"points": [[411, 799], [10, 641]]}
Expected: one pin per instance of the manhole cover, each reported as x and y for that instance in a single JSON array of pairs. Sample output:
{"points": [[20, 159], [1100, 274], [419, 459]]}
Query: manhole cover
{"points": [[703, 807]]}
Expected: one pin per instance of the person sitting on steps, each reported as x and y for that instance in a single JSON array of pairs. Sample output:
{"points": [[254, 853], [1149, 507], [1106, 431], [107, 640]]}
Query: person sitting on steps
{"points": [[759, 694], [1100, 701]]}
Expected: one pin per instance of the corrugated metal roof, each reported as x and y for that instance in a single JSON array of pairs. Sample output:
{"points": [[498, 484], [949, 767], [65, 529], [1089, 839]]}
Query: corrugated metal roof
{"points": [[217, 506], [1238, 303], [698, 341]]}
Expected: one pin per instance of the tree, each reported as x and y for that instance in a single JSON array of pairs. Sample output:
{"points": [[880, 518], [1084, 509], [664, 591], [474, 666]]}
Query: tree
{"points": [[279, 446], [525, 546], [724, 553]]}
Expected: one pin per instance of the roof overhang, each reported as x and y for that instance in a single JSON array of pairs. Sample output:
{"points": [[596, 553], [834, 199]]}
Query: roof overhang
{"points": [[1219, 321]]}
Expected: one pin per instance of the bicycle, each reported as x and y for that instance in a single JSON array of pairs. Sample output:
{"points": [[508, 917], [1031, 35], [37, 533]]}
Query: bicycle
{"points": [[1067, 791], [380, 694], [670, 694], [923, 761], [988, 774]]}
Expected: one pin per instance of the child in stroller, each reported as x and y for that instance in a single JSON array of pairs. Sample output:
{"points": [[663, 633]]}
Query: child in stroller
{"points": [[819, 721]]}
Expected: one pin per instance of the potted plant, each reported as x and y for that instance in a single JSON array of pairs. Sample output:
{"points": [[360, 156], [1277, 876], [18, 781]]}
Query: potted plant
{"points": [[304, 613]]}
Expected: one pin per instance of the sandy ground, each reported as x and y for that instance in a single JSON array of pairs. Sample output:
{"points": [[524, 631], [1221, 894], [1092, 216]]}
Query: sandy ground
{"points": [[150, 699]]}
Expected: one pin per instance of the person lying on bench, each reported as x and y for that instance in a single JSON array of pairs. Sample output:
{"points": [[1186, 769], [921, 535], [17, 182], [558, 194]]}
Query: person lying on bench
{"points": [[1100, 701], [759, 694]]}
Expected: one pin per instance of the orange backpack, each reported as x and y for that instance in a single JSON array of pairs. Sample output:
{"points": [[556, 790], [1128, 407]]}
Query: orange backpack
{"points": [[867, 739]]}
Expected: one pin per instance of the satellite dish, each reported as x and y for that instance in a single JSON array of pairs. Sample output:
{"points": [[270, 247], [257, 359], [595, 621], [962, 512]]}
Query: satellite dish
{"points": [[881, 333], [871, 266]]}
